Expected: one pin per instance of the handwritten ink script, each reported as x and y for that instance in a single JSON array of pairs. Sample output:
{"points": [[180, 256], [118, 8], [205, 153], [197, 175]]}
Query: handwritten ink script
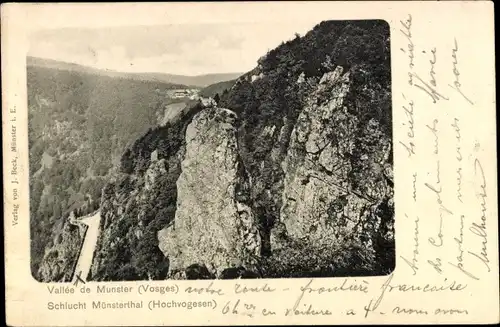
{"points": [[434, 76], [307, 298]]}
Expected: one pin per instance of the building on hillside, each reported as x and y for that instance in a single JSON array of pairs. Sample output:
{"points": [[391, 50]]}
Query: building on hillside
{"points": [[181, 93]]}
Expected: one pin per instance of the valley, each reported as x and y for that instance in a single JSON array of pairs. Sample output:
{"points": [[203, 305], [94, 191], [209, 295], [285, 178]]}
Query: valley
{"points": [[284, 171], [80, 122]]}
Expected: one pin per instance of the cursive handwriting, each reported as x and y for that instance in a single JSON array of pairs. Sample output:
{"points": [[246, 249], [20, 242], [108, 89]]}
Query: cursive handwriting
{"points": [[307, 310], [414, 260], [450, 311], [432, 73], [460, 256], [239, 308], [346, 286], [436, 265], [429, 90], [439, 311], [414, 187], [456, 84], [406, 30], [388, 287], [398, 310], [242, 289], [302, 309], [204, 290], [437, 190], [410, 146], [434, 131], [479, 229], [438, 194], [458, 157]]}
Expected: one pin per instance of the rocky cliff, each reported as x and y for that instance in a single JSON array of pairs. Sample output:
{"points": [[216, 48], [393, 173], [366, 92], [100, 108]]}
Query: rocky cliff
{"points": [[60, 259], [290, 175], [212, 226], [332, 197], [323, 201]]}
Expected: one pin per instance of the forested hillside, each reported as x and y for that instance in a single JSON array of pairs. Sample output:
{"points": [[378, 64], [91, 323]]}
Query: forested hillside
{"points": [[139, 202], [79, 125], [217, 88], [303, 143]]}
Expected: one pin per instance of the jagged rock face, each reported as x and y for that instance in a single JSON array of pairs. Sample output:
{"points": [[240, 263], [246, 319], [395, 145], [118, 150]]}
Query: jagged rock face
{"points": [[59, 260], [213, 226], [329, 198], [298, 184]]}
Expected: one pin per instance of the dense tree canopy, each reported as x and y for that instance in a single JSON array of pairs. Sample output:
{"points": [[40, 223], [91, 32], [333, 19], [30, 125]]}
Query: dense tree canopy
{"points": [[79, 124]]}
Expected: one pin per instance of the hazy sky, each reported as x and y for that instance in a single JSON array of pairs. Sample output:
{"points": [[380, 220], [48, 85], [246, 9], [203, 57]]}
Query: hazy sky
{"points": [[176, 49]]}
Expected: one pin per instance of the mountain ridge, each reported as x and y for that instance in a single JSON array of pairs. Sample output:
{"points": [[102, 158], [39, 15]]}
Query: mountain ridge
{"points": [[183, 81]]}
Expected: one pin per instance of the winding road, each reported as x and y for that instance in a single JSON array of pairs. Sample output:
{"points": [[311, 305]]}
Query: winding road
{"points": [[84, 263]]}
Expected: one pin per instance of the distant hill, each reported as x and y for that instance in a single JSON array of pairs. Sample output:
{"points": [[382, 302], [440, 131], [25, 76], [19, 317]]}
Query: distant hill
{"points": [[199, 80], [179, 81]]}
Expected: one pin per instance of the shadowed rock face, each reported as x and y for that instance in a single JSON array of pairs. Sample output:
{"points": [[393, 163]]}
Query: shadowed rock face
{"points": [[211, 227], [329, 197]]}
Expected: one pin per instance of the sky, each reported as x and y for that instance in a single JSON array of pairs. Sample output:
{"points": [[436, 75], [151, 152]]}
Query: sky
{"points": [[192, 49]]}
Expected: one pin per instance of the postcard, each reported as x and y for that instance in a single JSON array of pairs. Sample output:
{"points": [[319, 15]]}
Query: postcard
{"points": [[262, 163]]}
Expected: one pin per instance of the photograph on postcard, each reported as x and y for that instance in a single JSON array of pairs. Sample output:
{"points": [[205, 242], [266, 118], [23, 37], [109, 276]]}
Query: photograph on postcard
{"points": [[211, 151]]}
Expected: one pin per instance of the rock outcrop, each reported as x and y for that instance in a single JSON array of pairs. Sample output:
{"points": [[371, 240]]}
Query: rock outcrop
{"points": [[59, 260], [213, 226], [330, 197]]}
